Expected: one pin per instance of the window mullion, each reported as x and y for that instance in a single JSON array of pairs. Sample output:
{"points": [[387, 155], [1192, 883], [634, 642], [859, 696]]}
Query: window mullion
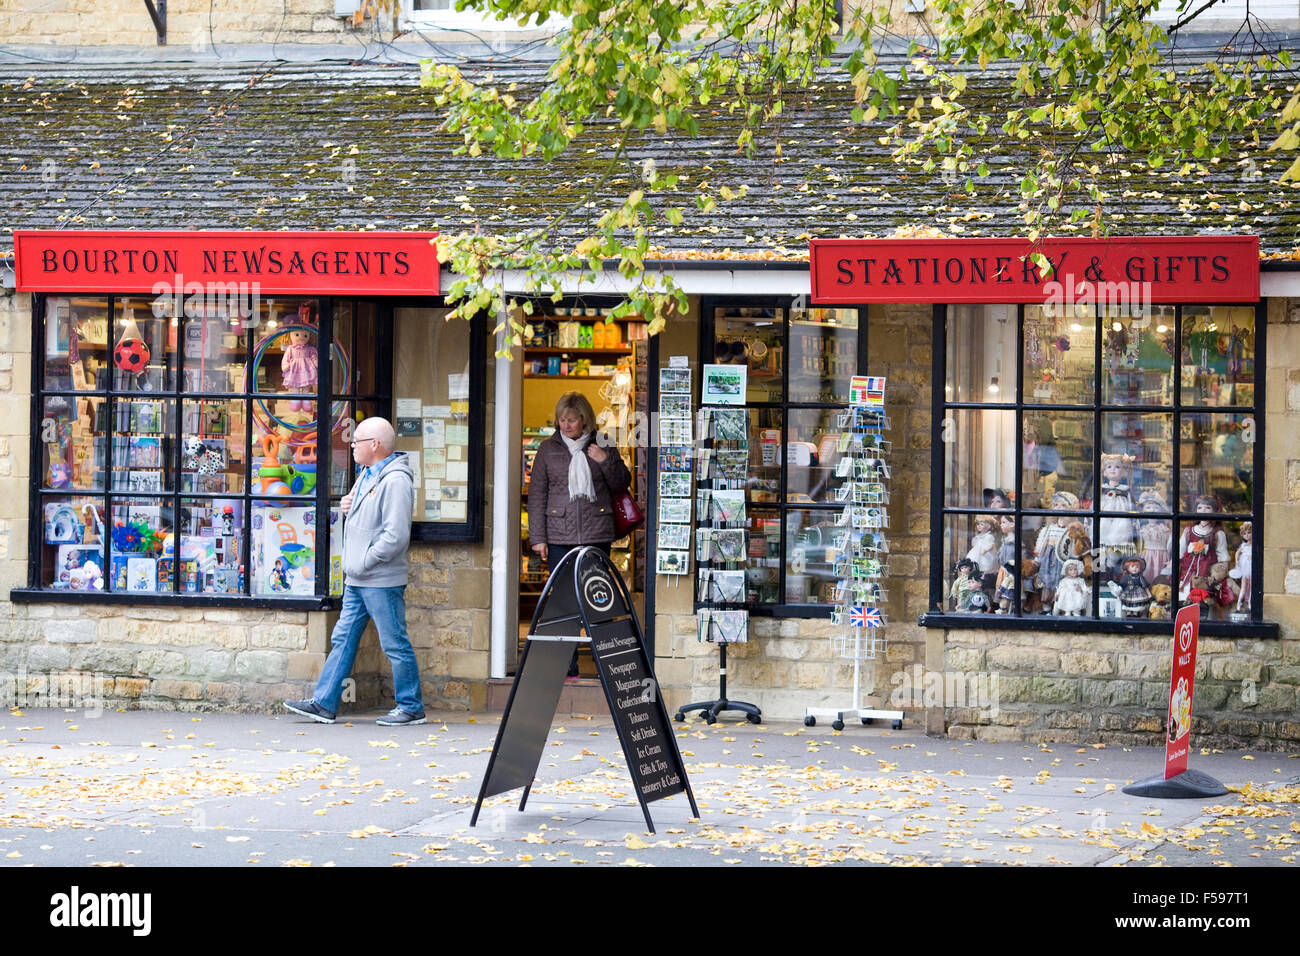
{"points": [[1097, 574]]}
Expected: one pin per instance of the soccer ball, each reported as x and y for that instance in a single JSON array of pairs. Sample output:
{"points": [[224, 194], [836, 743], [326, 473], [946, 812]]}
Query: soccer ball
{"points": [[131, 356]]}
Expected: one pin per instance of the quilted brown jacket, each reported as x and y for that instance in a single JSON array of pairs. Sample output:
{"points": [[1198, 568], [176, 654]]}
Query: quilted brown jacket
{"points": [[552, 517]]}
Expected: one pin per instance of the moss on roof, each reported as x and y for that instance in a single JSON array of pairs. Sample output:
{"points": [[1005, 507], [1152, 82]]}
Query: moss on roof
{"points": [[337, 146]]}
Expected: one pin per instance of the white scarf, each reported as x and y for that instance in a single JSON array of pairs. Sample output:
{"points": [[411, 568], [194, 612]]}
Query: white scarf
{"points": [[580, 485]]}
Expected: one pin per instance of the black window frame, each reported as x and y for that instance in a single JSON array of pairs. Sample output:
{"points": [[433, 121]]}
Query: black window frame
{"points": [[708, 307], [939, 512], [471, 529]]}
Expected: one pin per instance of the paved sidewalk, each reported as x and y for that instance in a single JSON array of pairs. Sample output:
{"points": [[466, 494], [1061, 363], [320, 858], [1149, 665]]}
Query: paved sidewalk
{"points": [[171, 789]]}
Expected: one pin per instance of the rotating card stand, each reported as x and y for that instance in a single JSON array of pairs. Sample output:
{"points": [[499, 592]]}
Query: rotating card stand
{"points": [[723, 617], [860, 567]]}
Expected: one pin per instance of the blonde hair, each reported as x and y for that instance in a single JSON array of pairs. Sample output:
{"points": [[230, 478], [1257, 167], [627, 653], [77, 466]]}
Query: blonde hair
{"points": [[576, 403]]}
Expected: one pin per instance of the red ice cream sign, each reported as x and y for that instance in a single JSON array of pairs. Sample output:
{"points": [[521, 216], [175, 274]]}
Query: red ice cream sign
{"points": [[1187, 626]]}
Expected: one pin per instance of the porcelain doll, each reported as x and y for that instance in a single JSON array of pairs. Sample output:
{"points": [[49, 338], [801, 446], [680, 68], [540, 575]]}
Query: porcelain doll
{"points": [[965, 585], [299, 363], [1200, 547], [1117, 534], [1241, 567], [1134, 595], [995, 499], [984, 550], [1007, 549], [1006, 587], [1045, 547], [1156, 536], [1073, 595]]}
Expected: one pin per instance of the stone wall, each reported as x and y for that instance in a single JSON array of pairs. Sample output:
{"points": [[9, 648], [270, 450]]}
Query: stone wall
{"points": [[1083, 688]]}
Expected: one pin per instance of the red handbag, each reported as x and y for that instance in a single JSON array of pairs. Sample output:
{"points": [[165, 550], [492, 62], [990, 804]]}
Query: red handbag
{"points": [[627, 514]]}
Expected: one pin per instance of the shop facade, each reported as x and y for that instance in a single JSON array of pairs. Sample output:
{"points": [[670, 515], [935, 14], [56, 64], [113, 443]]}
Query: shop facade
{"points": [[202, 598]]}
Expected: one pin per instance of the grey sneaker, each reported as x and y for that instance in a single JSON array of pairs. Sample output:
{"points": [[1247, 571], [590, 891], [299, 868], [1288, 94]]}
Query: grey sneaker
{"points": [[400, 718], [309, 708]]}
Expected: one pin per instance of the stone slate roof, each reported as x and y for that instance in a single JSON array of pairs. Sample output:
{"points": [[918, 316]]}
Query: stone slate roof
{"points": [[356, 146]]}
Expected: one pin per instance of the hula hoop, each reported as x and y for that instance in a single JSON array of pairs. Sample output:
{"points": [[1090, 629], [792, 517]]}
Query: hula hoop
{"points": [[339, 409]]}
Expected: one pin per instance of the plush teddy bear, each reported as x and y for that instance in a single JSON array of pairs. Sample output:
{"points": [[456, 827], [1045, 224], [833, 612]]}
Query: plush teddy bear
{"points": [[1222, 587], [1076, 544], [1201, 594], [1030, 599], [1160, 597]]}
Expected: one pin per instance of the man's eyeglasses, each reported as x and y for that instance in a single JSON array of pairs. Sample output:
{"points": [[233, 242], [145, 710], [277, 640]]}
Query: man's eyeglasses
{"points": [[354, 444]]}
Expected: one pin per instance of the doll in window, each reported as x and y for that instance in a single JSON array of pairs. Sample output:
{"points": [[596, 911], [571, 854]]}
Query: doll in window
{"points": [[1201, 546], [1117, 534], [1046, 552], [299, 363], [1156, 536], [965, 586], [1073, 595], [1240, 572], [984, 550]]}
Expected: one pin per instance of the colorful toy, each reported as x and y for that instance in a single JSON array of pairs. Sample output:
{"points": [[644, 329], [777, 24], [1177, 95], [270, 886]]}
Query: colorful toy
{"points": [[131, 356], [271, 477], [263, 416], [198, 457], [298, 365]]}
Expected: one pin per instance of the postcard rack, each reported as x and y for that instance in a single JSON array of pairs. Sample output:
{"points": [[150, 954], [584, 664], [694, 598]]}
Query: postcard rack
{"points": [[721, 553], [861, 550]]}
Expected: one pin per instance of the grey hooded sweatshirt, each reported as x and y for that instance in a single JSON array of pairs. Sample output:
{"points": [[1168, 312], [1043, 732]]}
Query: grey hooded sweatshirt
{"points": [[377, 530]]}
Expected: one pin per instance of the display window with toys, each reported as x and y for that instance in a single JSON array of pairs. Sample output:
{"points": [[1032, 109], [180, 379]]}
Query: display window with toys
{"points": [[1114, 477]]}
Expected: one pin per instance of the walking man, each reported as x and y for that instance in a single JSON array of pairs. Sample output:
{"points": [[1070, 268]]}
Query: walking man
{"points": [[376, 534]]}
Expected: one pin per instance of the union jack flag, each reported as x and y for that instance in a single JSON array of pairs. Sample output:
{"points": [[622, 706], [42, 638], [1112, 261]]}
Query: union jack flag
{"points": [[864, 617]]}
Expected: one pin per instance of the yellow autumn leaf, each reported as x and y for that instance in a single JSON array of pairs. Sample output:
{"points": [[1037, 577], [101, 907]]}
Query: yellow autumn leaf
{"points": [[634, 842]]}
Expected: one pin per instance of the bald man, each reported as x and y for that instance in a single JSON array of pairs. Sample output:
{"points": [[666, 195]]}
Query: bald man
{"points": [[376, 534]]}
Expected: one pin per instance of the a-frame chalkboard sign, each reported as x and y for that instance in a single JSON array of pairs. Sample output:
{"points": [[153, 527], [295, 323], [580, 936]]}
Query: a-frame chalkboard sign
{"points": [[586, 592]]}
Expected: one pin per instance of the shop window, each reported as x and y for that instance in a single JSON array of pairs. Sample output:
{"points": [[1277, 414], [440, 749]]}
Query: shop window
{"points": [[438, 404], [1092, 463], [799, 364], [179, 454]]}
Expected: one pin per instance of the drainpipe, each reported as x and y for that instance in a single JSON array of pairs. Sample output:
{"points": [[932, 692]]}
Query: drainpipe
{"points": [[505, 511]]}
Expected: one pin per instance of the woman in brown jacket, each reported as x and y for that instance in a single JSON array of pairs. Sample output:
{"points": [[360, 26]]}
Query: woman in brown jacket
{"points": [[572, 486]]}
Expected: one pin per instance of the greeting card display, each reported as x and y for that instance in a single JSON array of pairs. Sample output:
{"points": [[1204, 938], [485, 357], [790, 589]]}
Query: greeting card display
{"points": [[721, 541], [676, 433], [859, 544]]}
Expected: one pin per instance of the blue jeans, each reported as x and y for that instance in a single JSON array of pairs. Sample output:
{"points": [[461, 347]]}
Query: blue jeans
{"points": [[387, 606]]}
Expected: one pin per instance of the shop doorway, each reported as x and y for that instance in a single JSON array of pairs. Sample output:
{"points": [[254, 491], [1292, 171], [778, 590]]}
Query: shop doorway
{"points": [[577, 345]]}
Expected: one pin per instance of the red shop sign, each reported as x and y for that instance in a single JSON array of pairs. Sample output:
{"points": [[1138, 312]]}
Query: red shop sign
{"points": [[1187, 627], [1120, 271], [289, 263]]}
